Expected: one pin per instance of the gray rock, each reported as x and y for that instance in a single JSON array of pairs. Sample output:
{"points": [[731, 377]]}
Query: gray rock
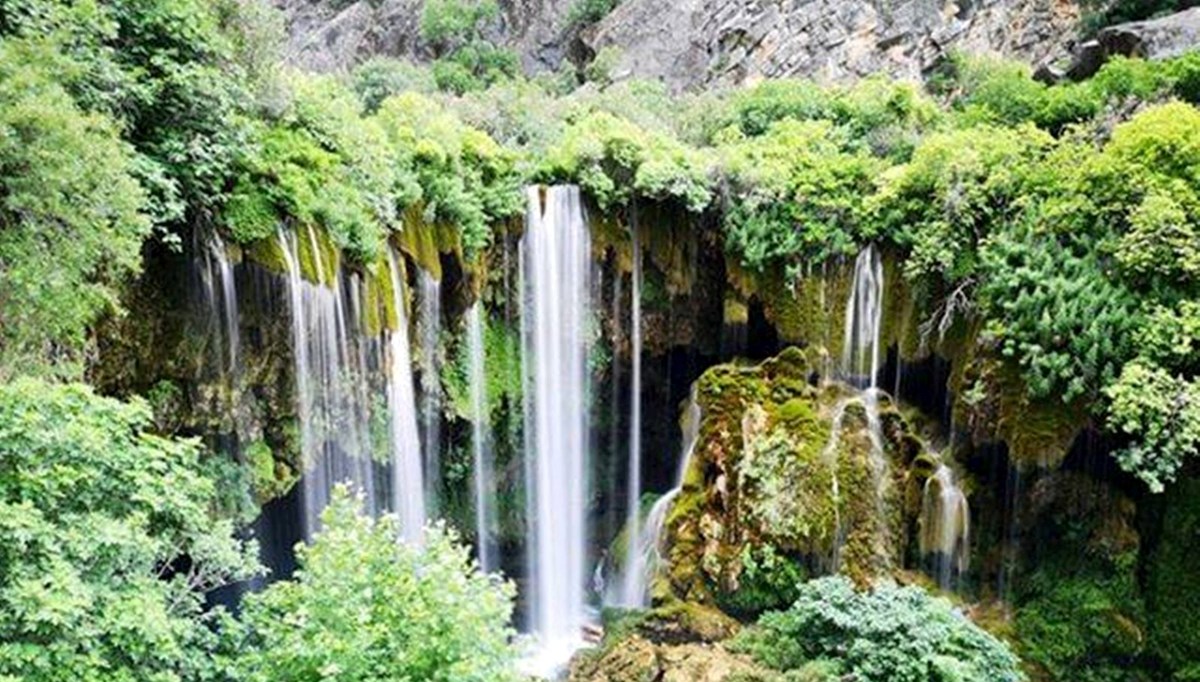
{"points": [[691, 44], [1162, 38]]}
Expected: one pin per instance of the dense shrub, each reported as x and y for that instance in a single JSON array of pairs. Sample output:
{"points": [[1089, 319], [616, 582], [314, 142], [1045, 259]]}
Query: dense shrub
{"points": [[108, 542], [888, 634], [366, 607]]}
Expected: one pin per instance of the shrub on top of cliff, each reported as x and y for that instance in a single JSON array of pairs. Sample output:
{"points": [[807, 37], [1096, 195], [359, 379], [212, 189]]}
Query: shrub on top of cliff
{"points": [[795, 193], [72, 213], [614, 159], [889, 634], [462, 176], [465, 61], [319, 163], [959, 187]]}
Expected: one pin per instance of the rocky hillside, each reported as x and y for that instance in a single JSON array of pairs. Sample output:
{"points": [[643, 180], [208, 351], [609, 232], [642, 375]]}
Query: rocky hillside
{"points": [[693, 43]]}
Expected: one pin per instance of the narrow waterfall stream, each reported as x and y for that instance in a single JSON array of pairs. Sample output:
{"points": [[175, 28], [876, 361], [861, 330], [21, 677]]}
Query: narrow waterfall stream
{"points": [[555, 265], [945, 526], [650, 540], [220, 294], [408, 483], [429, 323], [633, 589], [481, 442]]}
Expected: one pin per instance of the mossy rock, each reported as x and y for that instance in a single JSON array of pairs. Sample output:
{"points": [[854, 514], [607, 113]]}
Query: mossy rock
{"points": [[766, 473], [1173, 589]]}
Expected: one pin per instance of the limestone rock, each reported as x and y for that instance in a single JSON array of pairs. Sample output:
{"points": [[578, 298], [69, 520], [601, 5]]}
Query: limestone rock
{"points": [[631, 660], [696, 43], [1161, 38]]}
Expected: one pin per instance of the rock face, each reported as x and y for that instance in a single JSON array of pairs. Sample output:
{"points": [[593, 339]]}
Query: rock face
{"points": [[695, 43], [698, 42], [1161, 38]]}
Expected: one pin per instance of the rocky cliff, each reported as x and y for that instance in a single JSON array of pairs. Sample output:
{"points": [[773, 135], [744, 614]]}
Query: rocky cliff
{"points": [[693, 43]]}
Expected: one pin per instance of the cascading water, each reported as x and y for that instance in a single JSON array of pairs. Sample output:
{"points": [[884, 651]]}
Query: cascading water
{"points": [[633, 591], [331, 391], [216, 273], [485, 494], [430, 325], [945, 526], [864, 319], [555, 264], [860, 366], [649, 545], [408, 484]]}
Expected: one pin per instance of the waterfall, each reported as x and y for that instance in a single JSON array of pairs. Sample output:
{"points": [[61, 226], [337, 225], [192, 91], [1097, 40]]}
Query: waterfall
{"points": [[555, 262], [223, 308], [649, 541], [634, 584], [331, 393], [408, 485], [864, 319], [430, 295], [945, 526], [485, 494]]}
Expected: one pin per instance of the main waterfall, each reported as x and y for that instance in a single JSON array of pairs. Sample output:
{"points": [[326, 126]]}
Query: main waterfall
{"points": [[408, 484], [633, 589], [555, 264], [481, 442]]}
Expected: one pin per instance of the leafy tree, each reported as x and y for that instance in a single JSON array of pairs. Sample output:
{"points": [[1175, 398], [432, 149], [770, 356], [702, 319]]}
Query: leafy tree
{"points": [[366, 607], [889, 634], [72, 215], [109, 538], [588, 12], [1162, 414], [381, 77]]}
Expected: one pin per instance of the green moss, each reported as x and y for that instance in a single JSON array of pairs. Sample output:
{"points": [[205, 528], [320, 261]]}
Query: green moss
{"points": [[267, 252], [319, 258], [1173, 590]]}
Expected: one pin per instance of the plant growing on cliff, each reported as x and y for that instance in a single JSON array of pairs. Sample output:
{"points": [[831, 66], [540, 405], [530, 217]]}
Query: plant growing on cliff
{"points": [[366, 607], [889, 634]]}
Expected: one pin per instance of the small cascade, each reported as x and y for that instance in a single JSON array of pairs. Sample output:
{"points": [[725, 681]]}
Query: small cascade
{"points": [[481, 446], [649, 544], [633, 592], [945, 527], [555, 274], [408, 484], [332, 397], [864, 320], [430, 325], [829, 456], [220, 294], [860, 366]]}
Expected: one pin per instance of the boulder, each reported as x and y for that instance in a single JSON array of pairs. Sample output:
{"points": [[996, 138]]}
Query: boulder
{"points": [[1162, 38]]}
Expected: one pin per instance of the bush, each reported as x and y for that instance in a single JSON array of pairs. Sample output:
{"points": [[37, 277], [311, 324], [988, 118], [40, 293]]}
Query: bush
{"points": [[364, 606], [108, 542], [588, 12], [888, 634]]}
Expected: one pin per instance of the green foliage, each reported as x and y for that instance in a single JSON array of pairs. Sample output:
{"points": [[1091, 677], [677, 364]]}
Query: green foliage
{"points": [[614, 159], [449, 23], [366, 607], [381, 77], [798, 193], [588, 12], [72, 215], [889, 634], [1173, 586], [474, 66], [108, 541], [769, 580], [1161, 412], [463, 176]]}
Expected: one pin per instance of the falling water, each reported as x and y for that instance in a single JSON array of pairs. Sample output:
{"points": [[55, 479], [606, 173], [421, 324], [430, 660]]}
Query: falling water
{"points": [[864, 319], [945, 526], [330, 384], [555, 279], [649, 545], [430, 295], [634, 584], [485, 494], [860, 365], [217, 266], [408, 486]]}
